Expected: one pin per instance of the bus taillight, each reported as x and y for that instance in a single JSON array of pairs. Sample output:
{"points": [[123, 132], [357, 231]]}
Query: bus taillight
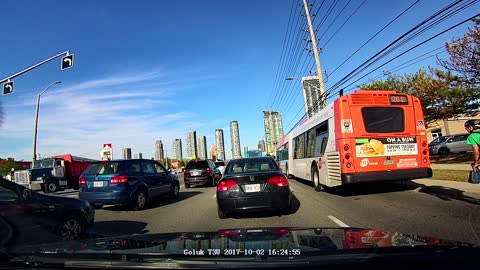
{"points": [[424, 144], [425, 152], [347, 156], [349, 165], [425, 160], [346, 147]]}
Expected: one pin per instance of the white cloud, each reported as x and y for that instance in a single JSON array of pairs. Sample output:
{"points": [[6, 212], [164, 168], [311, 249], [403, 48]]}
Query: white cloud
{"points": [[79, 118]]}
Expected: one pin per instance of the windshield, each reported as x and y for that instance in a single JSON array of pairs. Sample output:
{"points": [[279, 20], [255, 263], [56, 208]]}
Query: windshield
{"points": [[190, 116], [199, 164], [251, 165], [103, 168], [383, 120], [46, 163]]}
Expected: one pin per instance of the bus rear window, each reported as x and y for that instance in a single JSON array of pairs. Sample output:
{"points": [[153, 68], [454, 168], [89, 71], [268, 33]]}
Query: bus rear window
{"points": [[383, 119]]}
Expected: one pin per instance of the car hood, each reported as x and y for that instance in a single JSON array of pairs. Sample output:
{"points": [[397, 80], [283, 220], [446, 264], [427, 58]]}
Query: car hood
{"points": [[42, 198], [282, 238]]}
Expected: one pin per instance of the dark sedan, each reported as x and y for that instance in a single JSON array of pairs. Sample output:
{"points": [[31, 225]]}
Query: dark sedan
{"points": [[27, 217], [253, 184]]}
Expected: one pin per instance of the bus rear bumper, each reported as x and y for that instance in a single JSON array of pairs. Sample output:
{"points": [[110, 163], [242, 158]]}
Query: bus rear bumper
{"points": [[386, 176]]}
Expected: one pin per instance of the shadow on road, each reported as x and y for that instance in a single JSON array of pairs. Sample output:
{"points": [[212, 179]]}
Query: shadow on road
{"points": [[363, 188], [445, 193], [157, 202], [368, 189], [116, 228], [266, 214]]}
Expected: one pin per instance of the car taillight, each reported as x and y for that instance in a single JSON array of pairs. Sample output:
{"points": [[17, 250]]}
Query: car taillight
{"points": [[280, 232], [209, 171], [230, 233], [119, 179], [82, 181], [184, 173], [226, 185], [279, 181]]}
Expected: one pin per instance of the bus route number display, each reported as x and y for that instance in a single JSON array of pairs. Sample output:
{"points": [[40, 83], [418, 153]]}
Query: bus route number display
{"points": [[398, 100]]}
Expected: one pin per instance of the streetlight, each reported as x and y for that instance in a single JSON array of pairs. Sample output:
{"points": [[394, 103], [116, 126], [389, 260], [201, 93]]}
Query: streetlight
{"points": [[34, 150]]}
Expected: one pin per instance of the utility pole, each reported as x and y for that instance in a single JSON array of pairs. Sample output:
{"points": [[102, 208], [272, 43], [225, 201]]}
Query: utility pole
{"points": [[315, 52]]}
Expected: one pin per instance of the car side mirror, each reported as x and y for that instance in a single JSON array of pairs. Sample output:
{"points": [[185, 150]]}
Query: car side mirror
{"points": [[169, 170], [26, 194]]}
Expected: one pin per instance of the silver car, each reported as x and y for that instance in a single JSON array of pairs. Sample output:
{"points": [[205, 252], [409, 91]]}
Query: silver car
{"points": [[449, 144]]}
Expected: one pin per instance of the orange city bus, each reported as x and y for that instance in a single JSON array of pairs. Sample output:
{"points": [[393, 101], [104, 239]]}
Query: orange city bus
{"points": [[365, 136]]}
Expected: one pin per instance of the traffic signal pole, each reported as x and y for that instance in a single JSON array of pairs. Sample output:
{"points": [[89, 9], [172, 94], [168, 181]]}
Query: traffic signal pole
{"points": [[65, 53], [315, 53]]}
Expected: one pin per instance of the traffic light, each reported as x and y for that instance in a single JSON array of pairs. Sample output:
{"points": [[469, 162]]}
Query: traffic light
{"points": [[67, 61], [8, 88]]}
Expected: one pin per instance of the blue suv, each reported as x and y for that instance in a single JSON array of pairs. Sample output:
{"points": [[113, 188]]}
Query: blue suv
{"points": [[129, 182]]}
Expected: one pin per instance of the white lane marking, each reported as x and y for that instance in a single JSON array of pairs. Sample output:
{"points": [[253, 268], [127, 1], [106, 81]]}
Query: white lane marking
{"points": [[338, 221], [214, 196]]}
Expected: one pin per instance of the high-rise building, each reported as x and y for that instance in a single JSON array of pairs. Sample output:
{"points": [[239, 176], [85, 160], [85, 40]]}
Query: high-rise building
{"points": [[213, 152], [261, 145], [311, 95], [159, 154], [202, 147], [138, 156], [192, 144], [272, 123], [220, 143], [177, 149], [235, 137], [245, 150], [127, 153]]}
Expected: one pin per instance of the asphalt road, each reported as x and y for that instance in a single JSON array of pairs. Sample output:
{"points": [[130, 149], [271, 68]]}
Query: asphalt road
{"points": [[381, 206]]}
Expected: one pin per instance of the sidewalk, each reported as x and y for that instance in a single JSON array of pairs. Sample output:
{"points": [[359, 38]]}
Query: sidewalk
{"points": [[461, 167]]}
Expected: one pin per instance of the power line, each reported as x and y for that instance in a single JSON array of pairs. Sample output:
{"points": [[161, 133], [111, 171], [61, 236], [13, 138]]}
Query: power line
{"points": [[338, 15], [381, 54], [283, 55], [287, 29], [414, 47], [370, 39]]}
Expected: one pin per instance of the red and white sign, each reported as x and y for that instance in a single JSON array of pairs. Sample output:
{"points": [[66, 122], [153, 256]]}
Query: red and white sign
{"points": [[107, 146]]}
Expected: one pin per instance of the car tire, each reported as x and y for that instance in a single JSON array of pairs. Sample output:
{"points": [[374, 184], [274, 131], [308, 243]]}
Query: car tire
{"points": [[175, 191], [72, 228], [221, 214], [443, 151], [51, 186], [316, 180], [212, 182], [139, 200], [287, 172], [187, 185]]}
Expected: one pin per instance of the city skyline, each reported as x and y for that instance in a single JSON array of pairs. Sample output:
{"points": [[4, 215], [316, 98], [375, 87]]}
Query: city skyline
{"points": [[127, 153]]}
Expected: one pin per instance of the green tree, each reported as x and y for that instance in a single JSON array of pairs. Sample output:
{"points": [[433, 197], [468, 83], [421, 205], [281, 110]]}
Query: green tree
{"points": [[464, 56], [6, 167], [442, 94]]}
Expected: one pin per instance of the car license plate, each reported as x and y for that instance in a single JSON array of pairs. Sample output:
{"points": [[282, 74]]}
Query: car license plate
{"points": [[252, 188], [98, 184], [195, 173]]}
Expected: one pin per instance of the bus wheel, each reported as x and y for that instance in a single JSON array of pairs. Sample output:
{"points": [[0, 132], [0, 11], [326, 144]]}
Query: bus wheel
{"points": [[316, 180]]}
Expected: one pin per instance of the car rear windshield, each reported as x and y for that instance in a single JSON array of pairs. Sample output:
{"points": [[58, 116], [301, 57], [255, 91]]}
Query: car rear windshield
{"points": [[383, 119], [219, 163], [103, 168], [255, 165], [199, 164]]}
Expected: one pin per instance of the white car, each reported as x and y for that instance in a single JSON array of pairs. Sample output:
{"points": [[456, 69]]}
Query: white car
{"points": [[221, 165]]}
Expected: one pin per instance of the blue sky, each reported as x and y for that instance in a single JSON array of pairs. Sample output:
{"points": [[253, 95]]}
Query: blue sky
{"points": [[148, 70]]}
